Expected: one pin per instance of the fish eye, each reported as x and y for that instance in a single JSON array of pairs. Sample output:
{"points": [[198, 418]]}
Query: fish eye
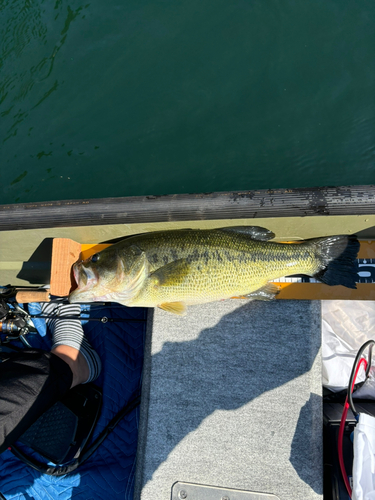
{"points": [[95, 257]]}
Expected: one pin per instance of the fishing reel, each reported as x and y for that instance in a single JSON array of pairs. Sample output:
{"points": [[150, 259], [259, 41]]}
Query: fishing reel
{"points": [[11, 323], [15, 323]]}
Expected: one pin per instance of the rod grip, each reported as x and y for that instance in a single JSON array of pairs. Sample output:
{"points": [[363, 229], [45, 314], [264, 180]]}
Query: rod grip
{"points": [[26, 296]]}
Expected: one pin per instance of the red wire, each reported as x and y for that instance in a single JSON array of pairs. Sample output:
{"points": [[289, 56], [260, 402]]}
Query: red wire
{"points": [[341, 431]]}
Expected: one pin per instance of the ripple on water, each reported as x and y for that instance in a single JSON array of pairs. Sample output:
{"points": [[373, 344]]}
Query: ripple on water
{"points": [[31, 36]]}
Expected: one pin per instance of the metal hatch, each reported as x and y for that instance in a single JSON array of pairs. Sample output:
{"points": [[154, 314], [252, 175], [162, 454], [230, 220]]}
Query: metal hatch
{"points": [[189, 491]]}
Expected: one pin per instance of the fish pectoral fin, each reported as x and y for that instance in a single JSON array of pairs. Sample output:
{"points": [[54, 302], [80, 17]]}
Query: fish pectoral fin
{"points": [[255, 232], [267, 292], [178, 308], [171, 274]]}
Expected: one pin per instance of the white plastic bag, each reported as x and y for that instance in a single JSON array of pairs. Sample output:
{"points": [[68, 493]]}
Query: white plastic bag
{"points": [[364, 459], [346, 326]]}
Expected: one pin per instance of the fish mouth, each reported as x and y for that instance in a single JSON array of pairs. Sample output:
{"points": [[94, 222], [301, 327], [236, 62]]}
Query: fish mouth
{"points": [[76, 273], [85, 277]]}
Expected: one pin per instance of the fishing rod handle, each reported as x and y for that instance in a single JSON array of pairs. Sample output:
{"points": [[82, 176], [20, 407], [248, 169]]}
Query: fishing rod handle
{"points": [[25, 296]]}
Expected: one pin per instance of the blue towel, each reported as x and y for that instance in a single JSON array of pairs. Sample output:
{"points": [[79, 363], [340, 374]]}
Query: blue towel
{"points": [[110, 471]]}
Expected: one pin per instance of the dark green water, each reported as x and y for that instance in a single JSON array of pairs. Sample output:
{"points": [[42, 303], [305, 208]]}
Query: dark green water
{"points": [[122, 98]]}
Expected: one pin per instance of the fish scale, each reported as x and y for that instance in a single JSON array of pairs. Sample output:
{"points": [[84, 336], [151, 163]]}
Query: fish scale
{"points": [[223, 266], [172, 269]]}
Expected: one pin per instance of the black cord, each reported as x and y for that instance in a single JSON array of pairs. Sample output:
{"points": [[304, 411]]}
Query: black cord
{"points": [[104, 319], [369, 343], [369, 362]]}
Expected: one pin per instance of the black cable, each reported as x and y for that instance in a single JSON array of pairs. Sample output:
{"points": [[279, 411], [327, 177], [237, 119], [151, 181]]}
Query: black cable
{"points": [[369, 362], [104, 319], [356, 361]]}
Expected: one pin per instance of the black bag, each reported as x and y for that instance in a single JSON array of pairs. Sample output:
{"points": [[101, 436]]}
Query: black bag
{"points": [[87, 405], [38, 409], [60, 434], [31, 381]]}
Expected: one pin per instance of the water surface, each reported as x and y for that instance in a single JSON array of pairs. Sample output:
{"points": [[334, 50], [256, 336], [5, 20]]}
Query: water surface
{"points": [[159, 97]]}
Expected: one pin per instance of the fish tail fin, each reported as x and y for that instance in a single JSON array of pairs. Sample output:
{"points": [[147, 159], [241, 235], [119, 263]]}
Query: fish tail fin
{"points": [[337, 255]]}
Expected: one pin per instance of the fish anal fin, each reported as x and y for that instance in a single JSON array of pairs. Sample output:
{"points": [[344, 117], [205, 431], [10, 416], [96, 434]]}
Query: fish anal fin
{"points": [[178, 308], [255, 232], [171, 274], [267, 292]]}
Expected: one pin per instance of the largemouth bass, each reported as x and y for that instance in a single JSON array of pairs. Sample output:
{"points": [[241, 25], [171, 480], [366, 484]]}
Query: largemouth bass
{"points": [[173, 269]]}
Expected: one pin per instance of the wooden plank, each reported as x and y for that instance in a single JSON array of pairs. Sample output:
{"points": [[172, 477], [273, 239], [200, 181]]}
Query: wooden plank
{"points": [[65, 252], [89, 249], [320, 291]]}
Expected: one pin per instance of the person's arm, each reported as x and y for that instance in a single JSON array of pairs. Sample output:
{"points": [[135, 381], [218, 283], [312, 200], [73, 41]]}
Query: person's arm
{"points": [[76, 361]]}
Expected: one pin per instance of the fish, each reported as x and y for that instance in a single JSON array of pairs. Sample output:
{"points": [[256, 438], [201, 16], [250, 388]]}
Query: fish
{"points": [[178, 268]]}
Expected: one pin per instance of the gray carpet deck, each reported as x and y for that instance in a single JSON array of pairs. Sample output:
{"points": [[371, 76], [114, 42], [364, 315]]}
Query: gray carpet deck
{"points": [[232, 398]]}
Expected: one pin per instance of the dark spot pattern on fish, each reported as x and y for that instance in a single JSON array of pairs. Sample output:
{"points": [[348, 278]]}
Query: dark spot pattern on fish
{"points": [[174, 254], [218, 256], [229, 256], [269, 257], [155, 258], [193, 257], [206, 256], [165, 260], [242, 258]]}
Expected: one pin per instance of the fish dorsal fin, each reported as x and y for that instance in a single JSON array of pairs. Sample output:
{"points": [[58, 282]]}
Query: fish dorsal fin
{"points": [[267, 292], [173, 273], [255, 232], [178, 308]]}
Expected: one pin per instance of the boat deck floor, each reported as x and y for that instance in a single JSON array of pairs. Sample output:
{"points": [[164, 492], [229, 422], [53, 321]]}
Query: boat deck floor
{"points": [[232, 397]]}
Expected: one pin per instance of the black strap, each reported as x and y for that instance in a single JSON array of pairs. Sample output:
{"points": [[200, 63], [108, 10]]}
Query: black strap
{"points": [[7, 347], [61, 470]]}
